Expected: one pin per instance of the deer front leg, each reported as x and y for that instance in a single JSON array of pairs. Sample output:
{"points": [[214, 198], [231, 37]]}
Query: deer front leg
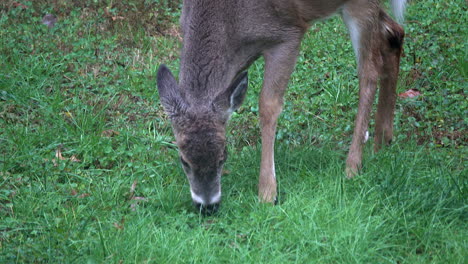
{"points": [[279, 64], [367, 87], [366, 36], [392, 47]]}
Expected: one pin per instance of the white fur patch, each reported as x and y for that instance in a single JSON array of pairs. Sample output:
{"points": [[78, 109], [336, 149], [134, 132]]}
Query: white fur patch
{"points": [[215, 198], [197, 198], [398, 8], [354, 32]]}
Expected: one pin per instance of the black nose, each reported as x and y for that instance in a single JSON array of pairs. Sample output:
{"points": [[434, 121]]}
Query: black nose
{"points": [[206, 209]]}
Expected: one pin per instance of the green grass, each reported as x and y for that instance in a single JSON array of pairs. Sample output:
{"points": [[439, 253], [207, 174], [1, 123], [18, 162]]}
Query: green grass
{"points": [[61, 88]]}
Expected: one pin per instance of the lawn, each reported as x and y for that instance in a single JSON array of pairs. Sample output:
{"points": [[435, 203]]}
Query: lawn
{"points": [[89, 172]]}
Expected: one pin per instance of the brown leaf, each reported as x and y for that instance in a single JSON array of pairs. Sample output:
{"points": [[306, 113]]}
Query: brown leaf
{"points": [[241, 237], [16, 4], [58, 153], [73, 192], [109, 133], [114, 18], [118, 226], [132, 189], [106, 12], [117, 18], [139, 198], [74, 159], [411, 93], [83, 195]]}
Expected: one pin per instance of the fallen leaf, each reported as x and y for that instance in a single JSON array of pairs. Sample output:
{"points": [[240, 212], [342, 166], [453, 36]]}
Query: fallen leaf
{"points": [[74, 159], [109, 133], [106, 12], [117, 18], [119, 227], [132, 189], [241, 236], [83, 195], [138, 198], [114, 18], [16, 4], [74, 192], [58, 155], [411, 93]]}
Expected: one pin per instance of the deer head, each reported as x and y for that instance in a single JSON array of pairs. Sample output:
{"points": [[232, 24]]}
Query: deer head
{"points": [[199, 129]]}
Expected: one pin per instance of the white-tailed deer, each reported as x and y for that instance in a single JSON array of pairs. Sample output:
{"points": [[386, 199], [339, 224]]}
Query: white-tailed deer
{"points": [[223, 37]]}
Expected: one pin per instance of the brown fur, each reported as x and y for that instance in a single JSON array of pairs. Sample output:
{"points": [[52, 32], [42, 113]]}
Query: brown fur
{"points": [[222, 38]]}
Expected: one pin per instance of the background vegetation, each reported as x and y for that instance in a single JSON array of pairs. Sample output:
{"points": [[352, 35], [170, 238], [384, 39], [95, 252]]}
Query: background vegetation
{"points": [[89, 173]]}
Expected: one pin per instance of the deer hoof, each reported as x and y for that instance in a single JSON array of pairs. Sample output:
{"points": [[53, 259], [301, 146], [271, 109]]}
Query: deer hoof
{"points": [[268, 197], [351, 171]]}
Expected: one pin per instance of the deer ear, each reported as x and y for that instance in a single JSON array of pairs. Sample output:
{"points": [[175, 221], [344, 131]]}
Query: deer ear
{"points": [[239, 90], [232, 98], [169, 93]]}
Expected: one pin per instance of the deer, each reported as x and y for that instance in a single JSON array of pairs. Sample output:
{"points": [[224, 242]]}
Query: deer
{"points": [[222, 38]]}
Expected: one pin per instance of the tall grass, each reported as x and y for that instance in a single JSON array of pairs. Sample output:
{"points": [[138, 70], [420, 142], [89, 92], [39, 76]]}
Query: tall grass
{"points": [[89, 173]]}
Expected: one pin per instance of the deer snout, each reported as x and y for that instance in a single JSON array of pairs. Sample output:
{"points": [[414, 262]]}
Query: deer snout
{"points": [[206, 204]]}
